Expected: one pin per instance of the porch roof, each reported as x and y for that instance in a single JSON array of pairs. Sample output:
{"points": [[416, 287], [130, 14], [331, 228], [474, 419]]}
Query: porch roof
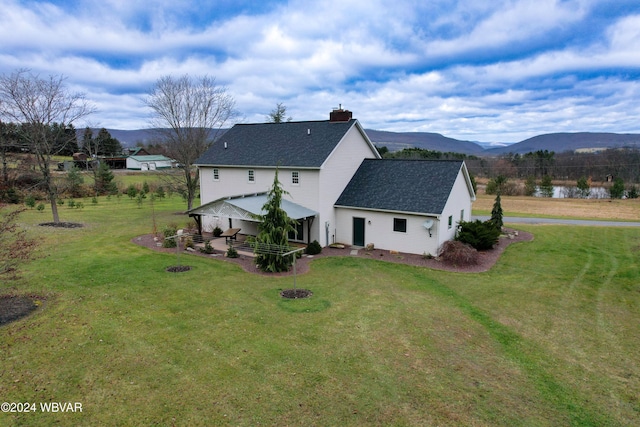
{"points": [[246, 207]]}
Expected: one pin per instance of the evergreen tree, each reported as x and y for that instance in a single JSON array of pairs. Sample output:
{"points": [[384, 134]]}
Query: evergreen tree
{"points": [[584, 188], [546, 186], [107, 145], [278, 114], [74, 182], [530, 186], [273, 229], [496, 213], [617, 189], [104, 183]]}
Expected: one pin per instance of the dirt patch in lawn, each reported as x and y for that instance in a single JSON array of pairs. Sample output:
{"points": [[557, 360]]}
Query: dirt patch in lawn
{"points": [[14, 307]]}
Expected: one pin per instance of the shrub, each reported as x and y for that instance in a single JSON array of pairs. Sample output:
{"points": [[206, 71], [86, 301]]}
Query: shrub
{"points": [[40, 207], [208, 249], [30, 201], [217, 232], [232, 252], [132, 191], [139, 198], [189, 242], [10, 195], [160, 194], [480, 235], [313, 248], [632, 192], [168, 231], [458, 253]]}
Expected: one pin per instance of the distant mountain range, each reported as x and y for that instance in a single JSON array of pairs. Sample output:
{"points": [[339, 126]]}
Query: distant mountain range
{"points": [[394, 141]]}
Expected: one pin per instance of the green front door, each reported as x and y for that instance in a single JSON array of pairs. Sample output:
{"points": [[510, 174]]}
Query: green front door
{"points": [[358, 231]]}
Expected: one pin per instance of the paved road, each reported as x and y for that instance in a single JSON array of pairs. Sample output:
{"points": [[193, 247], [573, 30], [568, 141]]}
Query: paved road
{"points": [[521, 220]]}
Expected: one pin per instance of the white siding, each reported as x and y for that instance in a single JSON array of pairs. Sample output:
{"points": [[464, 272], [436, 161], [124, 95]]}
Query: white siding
{"points": [[416, 240], [318, 189], [459, 200], [336, 173], [379, 231], [234, 181]]}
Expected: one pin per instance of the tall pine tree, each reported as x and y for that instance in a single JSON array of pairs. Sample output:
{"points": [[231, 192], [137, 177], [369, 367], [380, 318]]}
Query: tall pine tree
{"points": [[272, 239], [496, 213]]}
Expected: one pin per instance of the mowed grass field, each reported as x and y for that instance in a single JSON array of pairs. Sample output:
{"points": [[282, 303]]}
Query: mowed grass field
{"points": [[547, 337]]}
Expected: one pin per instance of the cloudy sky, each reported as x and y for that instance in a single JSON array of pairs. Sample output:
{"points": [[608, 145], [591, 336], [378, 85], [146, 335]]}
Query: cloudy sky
{"points": [[479, 70]]}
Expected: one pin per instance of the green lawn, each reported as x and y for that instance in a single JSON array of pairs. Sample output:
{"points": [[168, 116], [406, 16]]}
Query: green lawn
{"points": [[548, 337]]}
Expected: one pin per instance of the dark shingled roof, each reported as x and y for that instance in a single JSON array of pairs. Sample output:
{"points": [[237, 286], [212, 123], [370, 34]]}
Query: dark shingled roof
{"points": [[291, 144], [420, 186]]}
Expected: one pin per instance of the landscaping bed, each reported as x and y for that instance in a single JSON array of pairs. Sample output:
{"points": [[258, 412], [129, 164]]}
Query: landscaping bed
{"points": [[486, 258]]}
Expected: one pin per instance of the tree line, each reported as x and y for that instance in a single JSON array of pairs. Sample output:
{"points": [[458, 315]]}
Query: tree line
{"points": [[601, 166]]}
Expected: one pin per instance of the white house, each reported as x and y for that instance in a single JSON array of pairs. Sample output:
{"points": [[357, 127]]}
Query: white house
{"points": [[339, 189]]}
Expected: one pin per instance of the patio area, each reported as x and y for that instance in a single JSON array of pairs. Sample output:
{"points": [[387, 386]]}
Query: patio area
{"points": [[221, 245]]}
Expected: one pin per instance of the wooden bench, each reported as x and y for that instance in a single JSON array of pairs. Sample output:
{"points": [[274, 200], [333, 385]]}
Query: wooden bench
{"points": [[230, 234]]}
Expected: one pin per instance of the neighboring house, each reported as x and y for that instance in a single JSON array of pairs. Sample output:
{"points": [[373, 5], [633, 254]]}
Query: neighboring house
{"points": [[149, 162], [324, 166]]}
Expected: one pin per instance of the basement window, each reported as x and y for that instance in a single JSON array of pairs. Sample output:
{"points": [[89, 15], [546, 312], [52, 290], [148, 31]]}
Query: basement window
{"points": [[400, 225]]}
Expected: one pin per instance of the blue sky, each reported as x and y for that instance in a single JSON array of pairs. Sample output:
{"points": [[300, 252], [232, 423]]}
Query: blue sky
{"points": [[491, 71]]}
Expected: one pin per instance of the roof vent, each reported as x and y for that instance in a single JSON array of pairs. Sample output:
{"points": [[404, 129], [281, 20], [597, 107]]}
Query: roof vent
{"points": [[340, 115], [308, 131], [225, 145]]}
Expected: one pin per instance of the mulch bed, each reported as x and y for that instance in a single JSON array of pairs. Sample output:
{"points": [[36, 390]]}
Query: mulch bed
{"points": [[487, 258], [61, 224], [296, 293], [178, 269]]}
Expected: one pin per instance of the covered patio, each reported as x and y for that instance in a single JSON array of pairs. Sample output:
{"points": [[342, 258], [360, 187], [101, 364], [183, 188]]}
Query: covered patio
{"points": [[246, 210]]}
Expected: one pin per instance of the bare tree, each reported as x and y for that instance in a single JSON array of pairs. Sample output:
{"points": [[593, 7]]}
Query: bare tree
{"points": [[46, 109], [189, 112]]}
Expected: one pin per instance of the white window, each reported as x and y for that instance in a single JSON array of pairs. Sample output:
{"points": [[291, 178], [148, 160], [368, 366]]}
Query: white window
{"points": [[462, 215], [216, 174], [450, 221], [252, 177], [295, 177]]}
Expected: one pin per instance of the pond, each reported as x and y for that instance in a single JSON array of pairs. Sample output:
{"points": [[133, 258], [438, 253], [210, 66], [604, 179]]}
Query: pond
{"points": [[563, 192]]}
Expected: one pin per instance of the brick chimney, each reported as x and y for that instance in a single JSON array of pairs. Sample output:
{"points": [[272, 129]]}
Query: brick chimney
{"points": [[340, 115]]}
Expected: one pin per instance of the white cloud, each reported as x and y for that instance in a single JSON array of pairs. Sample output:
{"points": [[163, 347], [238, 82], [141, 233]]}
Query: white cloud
{"points": [[496, 71]]}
